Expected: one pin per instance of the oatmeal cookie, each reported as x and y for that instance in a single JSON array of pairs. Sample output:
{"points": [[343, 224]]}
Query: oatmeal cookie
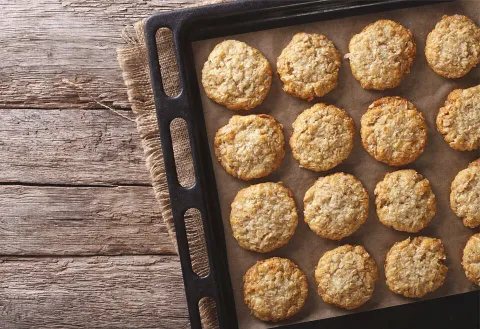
{"points": [[471, 259], [250, 146], [415, 267], [263, 217], [309, 66], [459, 120], [346, 276], [236, 75], [405, 201], [393, 131], [322, 137], [275, 289], [381, 55], [335, 206], [453, 47], [465, 195]]}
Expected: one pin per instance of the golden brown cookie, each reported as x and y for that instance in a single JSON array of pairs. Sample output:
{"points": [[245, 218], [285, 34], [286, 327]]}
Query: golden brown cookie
{"points": [[263, 217], [309, 66], [335, 206], [250, 146], [465, 195], [471, 259], [381, 55], [415, 267], [459, 119], [275, 289], [393, 131], [405, 201], [346, 276], [453, 47], [236, 75], [322, 137]]}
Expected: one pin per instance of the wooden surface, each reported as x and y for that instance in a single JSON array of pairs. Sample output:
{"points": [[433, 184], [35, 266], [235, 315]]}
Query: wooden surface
{"points": [[81, 240]]}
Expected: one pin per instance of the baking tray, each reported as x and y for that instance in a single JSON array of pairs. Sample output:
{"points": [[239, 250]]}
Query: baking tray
{"points": [[204, 23]]}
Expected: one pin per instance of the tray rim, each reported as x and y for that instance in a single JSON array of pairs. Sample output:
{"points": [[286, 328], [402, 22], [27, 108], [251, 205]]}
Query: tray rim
{"points": [[199, 23]]}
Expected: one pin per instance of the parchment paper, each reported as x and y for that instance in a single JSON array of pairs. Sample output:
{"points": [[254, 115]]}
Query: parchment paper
{"points": [[439, 163]]}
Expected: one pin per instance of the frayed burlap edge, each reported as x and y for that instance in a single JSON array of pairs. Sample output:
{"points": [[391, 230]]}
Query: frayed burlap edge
{"points": [[133, 61]]}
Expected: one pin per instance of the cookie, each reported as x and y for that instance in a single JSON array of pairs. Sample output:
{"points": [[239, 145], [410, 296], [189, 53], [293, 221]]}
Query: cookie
{"points": [[263, 217], [346, 276], [335, 206], [275, 289], [465, 195], [471, 259], [405, 201], [453, 47], [381, 55], [393, 131], [236, 75], [322, 137], [250, 146], [309, 66], [415, 267], [459, 119]]}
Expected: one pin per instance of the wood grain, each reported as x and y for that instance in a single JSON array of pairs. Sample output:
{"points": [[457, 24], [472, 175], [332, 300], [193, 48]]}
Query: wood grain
{"points": [[43, 42], [92, 292], [70, 147], [81, 221]]}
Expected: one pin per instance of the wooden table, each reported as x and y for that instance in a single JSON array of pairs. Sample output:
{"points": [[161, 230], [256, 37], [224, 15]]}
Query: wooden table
{"points": [[81, 239]]}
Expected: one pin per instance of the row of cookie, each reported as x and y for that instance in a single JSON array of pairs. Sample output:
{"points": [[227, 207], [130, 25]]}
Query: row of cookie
{"points": [[393, 131], [275, 289], [239, 76], [264, 216]]}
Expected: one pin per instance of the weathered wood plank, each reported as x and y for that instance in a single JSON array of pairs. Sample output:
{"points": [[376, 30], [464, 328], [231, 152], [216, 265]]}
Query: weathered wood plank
{"points": [[70, 147], [45, 41], [81, 221], [93, 292]]}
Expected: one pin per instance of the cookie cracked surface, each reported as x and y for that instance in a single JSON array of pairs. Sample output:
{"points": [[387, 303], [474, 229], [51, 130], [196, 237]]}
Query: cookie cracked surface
{"points": [[309, 66], [336, 206], [250, 146], [459, 119], [381, 55], [453, 47], [263, 217], [393, 131], [322, 137], [236, 75], [405, 201], [471, 259], [415, 267], [465, 195], [346, 276], [275, 289]]}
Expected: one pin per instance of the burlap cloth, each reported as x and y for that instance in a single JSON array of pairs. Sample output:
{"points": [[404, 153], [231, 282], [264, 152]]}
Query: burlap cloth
{"points": [[133, 60]]}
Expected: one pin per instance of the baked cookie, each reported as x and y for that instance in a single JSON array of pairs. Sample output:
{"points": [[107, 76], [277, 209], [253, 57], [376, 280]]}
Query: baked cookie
{"points": [[453, 47], [309, 66], [250, 146], [335, 206], [459, 119], [236, 75], [381, 55], [415, 267], [471, 259], [405, 201], [322, 137], [465, 195], [275, 289], [346, 276], [263, 217], [393, 131]]}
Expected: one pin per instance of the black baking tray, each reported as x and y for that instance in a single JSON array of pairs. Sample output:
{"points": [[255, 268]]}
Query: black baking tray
{"points": [[233, 18]]}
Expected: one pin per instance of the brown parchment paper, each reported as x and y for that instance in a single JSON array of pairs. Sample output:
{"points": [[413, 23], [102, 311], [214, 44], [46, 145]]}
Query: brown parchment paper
{"points": [[439, 163]]}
